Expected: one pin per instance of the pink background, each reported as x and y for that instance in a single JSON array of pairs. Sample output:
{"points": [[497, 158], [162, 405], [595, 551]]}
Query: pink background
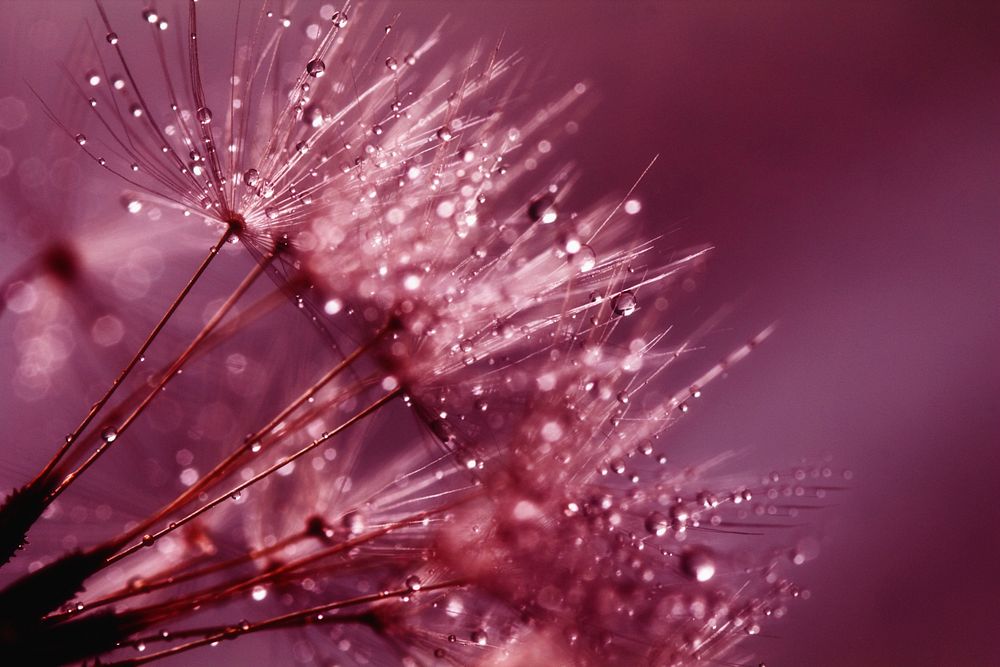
{"points": [[844, 158]]}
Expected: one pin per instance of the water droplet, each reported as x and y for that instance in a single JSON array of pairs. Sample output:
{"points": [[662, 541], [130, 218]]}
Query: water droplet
{"points": [[444, 134], [339, 19], [204, 115], [478, 637], [258, 593], [148, 540], [135, 110], [151, 16], [109, 435], [316, 68], [93, 78], [391, 64], [272, 213], [251, 177], [81, 139], [543, 209], [354, 522], [585, 259], [112, 38], [698, 564], [657, 524], [625, 304], [413, 582]]}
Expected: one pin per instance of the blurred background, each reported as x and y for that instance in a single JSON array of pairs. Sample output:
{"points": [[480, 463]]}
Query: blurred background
{"points": [[843, 158]]}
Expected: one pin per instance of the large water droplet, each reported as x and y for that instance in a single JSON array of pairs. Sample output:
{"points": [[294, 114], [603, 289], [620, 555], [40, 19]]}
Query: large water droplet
{"points": [[698, 564], [543, 209], [625, 304], [316, 68], [204, 115], [585, 259], [657, 524], [251, 177]]}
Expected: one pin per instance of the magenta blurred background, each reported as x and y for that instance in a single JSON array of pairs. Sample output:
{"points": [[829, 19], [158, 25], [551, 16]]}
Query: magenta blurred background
{"points": [[844, 159]]}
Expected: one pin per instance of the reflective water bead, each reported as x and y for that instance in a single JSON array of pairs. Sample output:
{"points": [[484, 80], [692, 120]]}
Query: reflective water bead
{"points": [[625, 304], [204, 115], [585, 259], [316, 68], [543, 209], [657, 524], [698, 564]]}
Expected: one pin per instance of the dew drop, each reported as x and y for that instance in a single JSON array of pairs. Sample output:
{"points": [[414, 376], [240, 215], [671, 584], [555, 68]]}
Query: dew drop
{"points": [[585, 259], [135, 110], [698, 564], [543, 209], [272, 213], [354, 522], [339, 19], [112, 38], [413, 583], [316, 68], [478, 637], [251, 177], [657, 524], [625, 304], [391, 64], [81, 139], [109, 435], [204, 115], [258, 593], [444, 134]]}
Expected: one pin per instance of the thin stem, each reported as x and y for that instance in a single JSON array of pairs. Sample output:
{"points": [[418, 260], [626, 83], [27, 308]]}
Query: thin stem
{"points": [[148, 540], [303, 616], [136, 358], [255, 438], [170, 577], [222, 311]]}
